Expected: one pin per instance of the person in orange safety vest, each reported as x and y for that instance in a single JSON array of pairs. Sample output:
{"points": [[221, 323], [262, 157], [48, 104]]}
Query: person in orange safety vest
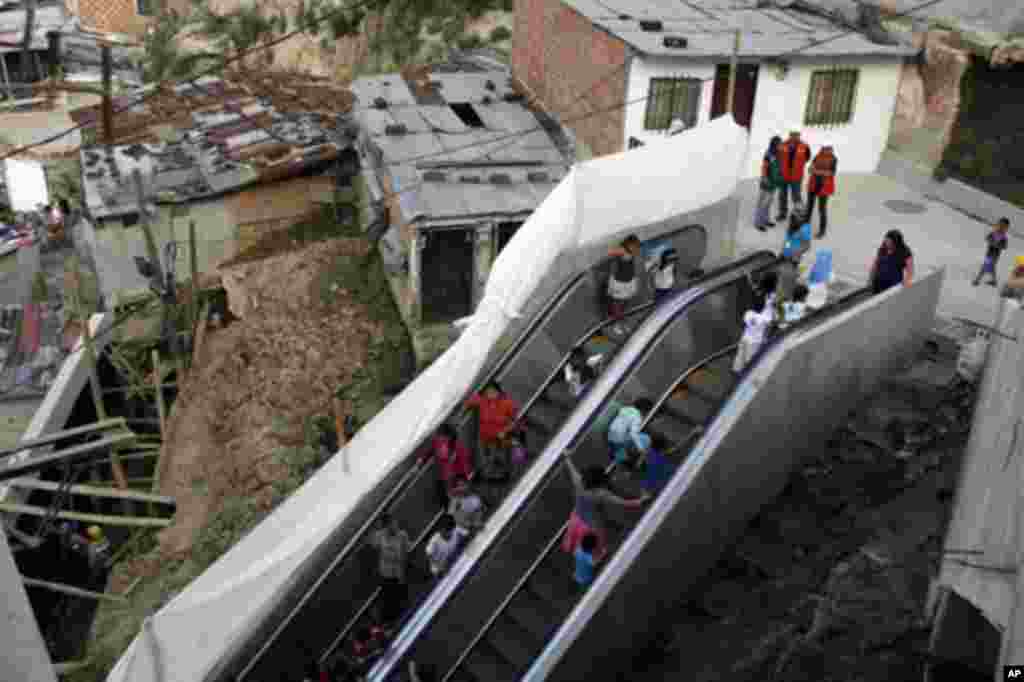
{"points": [[793, 157]]}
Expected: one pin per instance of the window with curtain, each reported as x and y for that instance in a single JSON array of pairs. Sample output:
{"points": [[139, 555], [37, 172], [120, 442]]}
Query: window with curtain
{"points": [[671, 98], [831, 97]]}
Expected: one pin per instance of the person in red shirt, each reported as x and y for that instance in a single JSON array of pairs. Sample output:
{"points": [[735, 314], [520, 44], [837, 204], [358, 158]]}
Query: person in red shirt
{"points": [[452, 459], [497, 421], [793, 157], [822, 185]]}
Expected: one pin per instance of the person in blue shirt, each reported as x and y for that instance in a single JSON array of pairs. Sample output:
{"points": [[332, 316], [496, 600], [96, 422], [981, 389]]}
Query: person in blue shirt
{"points": [[624, 429], [586, 564], [798, 238], [658, 468]]}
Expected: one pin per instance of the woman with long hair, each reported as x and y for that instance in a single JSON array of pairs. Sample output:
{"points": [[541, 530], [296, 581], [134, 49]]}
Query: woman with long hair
{"points": [[894, 263]]}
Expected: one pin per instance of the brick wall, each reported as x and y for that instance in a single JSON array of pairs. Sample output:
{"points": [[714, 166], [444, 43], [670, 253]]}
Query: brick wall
{"points": [[560, 56], [111, 16]]}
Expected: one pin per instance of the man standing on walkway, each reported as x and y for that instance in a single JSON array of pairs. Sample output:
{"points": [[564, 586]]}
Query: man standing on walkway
{"points": [[771, 180], [821, 186], [793, 157]]}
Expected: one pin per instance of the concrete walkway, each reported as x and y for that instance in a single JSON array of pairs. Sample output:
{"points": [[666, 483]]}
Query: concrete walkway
{"points": [[860, 214]]}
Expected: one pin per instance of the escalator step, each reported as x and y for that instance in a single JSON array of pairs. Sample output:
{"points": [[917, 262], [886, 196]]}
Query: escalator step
{"points": [[532, 616], [484, 664], [546, 417], [506, 639], [554, 588], [692, 410], [670, 427]]}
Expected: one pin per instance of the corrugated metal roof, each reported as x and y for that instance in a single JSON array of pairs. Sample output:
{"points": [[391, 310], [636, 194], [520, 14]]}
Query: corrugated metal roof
{"points": [[511, 134], [390, 86], [709, 29]]}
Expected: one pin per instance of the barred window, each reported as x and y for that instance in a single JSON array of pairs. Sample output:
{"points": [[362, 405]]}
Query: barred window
{"points": [[831, 98], [671, 98]]}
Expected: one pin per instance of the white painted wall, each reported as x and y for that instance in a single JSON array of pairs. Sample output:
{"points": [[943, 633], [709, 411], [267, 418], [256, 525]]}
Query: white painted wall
{"points": [[858, 144], [779, 104], [642, 70]]}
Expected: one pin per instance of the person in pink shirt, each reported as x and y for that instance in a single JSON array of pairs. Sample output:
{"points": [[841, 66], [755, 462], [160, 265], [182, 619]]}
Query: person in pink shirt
{"points": [[452, 459]]}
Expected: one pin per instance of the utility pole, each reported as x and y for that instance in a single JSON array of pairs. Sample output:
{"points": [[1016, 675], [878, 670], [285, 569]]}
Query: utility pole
{"points": [[108, 105], [151, 251], [733, 71], [53, 37]]}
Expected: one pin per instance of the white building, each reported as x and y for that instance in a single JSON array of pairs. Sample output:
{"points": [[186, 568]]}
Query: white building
{"points": [[644, 63]]}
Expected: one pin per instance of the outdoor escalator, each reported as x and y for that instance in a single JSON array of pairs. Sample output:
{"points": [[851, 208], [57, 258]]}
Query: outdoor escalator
{"points": [[343, 597], [503, 606]]}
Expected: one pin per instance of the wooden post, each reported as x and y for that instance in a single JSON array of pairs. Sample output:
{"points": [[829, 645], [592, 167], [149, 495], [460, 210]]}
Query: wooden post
{"points": [[108, 104], [97, 398], [193, 309], [72, 590], [733, 71], [151, 251], [98, 519]]}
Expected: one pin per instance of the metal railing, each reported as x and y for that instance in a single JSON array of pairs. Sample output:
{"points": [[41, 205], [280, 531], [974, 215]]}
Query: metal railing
{"points": [[564, 441], [551, 378], [410, 478], [554, 541]]}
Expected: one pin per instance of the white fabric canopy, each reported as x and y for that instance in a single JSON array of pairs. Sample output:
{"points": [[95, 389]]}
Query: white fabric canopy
{"points": [[26, 184], [597, 202]]}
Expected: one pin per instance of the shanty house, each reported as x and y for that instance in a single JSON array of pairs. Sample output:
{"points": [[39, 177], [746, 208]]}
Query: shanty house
{"points": [[619, 72], [241, 157], [460, 162]]}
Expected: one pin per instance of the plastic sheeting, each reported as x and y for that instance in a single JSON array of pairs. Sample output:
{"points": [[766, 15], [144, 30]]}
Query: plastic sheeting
{"points": [[26, 184], [598, 202]]}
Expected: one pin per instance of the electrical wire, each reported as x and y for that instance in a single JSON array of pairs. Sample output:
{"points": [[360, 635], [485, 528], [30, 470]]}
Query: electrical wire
{"points": [[327, 15]]}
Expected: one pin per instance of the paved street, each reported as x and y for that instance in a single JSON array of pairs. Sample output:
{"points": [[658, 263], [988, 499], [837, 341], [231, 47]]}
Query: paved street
{"points": [[865, 207]]}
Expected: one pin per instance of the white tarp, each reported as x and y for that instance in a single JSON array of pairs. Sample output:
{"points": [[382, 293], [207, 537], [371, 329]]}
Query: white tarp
{"points": [[26, 184], [597, 202]]}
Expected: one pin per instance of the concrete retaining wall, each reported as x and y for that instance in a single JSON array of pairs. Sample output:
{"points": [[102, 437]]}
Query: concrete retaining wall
{"points": [[786, 409]]}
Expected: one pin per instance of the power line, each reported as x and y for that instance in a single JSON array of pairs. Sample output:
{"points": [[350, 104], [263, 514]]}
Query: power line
{"points": [[157, 89]]}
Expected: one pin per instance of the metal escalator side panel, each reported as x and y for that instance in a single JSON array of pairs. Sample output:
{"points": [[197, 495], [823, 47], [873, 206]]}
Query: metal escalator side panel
{"points": [[687, 475], [546, 463]]}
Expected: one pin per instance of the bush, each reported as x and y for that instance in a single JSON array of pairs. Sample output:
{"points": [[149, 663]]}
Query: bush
{"points": [[500, 34]]}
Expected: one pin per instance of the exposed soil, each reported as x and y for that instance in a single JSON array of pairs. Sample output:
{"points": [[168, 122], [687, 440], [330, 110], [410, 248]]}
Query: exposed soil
{"points": [[254, 384], [829, 582]]}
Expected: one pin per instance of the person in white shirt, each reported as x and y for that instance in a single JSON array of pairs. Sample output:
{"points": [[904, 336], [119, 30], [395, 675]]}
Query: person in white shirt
{"points": [[444, 545], [755, 326], [466, 507], [797, 308], [580, 371], [663, 273]]}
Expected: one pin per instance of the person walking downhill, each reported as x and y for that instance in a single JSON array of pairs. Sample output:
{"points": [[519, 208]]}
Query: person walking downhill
{"points": [[794, 154], [771, 180], [821, 186], [624, 280], [497, 415], [451, 457], [997, 242], [589, 515], [894, 263], [393, 546]]}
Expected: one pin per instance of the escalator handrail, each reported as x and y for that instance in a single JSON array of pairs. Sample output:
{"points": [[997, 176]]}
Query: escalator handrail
{"points": [[682, 379], [500, 366], [565, 441], [550, 546], [409, 479], [610, 322], [543, 660]]}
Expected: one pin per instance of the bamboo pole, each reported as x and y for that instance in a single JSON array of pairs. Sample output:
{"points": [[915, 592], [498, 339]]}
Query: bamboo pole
{"points": [[129, 457], [158, 386], [71, 666], [131, 587], [72, 590], [19, 469], [67, 433], [91, 491], [97, 397], [98, 519]]}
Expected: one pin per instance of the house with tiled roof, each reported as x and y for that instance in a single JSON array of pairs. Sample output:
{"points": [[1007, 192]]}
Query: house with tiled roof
{"points": [[620, 72]]}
